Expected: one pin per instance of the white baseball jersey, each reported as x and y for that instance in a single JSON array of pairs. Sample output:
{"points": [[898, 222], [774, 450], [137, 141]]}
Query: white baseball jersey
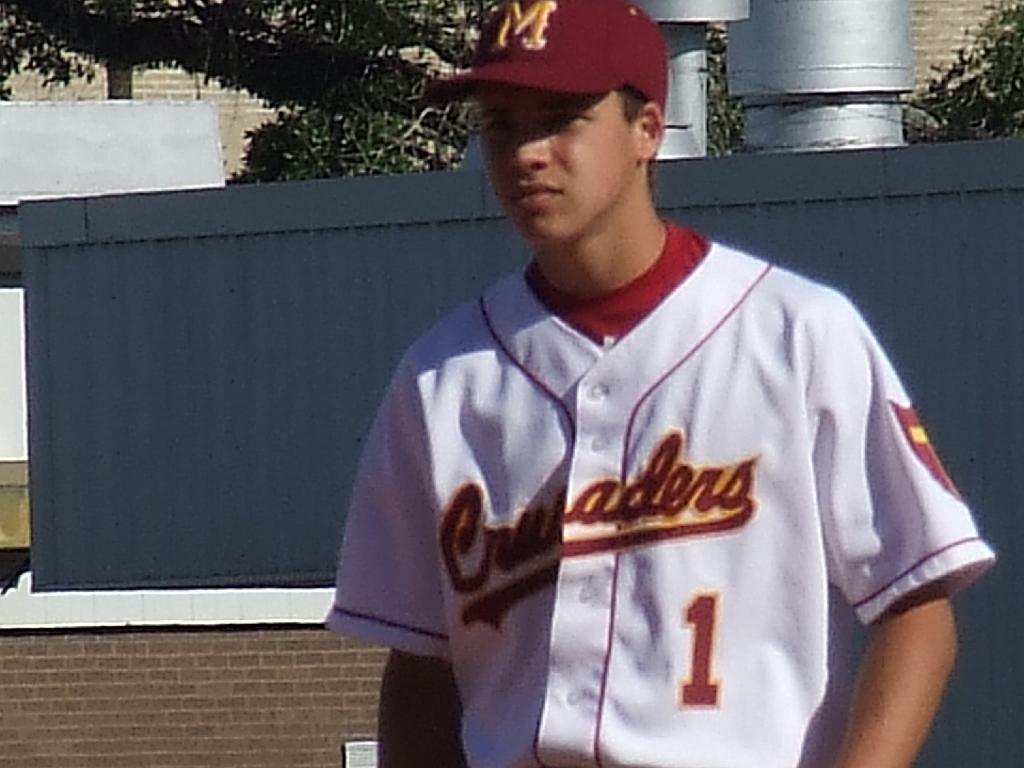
{"points": [[646, 553]]}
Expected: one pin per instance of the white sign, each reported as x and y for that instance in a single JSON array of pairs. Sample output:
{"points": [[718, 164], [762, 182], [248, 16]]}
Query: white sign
{"points": [[13, 431], [360, 754]]}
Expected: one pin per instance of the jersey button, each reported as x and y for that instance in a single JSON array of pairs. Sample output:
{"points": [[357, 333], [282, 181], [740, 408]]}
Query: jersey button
{"points": [[597, 392], [598, 444]]}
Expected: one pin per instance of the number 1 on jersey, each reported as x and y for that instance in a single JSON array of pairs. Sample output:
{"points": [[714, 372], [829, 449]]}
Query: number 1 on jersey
{"points": [[701, 690]]}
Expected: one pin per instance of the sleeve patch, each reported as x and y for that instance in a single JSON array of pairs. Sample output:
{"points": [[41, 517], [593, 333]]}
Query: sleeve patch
{"points": [[917, 437]]}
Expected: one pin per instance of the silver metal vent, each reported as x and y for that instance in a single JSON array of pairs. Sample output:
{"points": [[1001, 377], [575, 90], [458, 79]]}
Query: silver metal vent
{"points": [[822, 74]]}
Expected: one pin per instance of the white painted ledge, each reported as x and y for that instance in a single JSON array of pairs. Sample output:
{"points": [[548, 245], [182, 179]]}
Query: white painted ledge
{"points": [[20, 608]]}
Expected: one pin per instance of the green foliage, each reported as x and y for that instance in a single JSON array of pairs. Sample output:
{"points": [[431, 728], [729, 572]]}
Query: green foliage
{"points": [[379, 126], [27, 45], [725, 113], [981, 95], [381, 129], [374, 121]]}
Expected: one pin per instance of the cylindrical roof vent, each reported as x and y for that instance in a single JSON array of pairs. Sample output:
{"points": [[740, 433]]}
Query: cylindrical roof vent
{"points": [[684, 25], [822, 74]]}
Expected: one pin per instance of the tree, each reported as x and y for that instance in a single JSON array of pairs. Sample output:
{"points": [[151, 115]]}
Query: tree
{"points": [[981, 95], [345, 75], [26, 45], [376, 122], [725, 113], [329, 142]]}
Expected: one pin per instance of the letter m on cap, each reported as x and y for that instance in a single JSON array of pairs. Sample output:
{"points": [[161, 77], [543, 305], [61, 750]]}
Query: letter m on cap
{"points": [[529, 25]]}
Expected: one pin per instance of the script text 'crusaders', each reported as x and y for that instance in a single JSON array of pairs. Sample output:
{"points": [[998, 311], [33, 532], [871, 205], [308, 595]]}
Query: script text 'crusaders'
{"points": [[496, 566]]}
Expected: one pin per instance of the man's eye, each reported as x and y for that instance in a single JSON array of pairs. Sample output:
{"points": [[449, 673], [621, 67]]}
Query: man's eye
{"points": [[559, 121]]}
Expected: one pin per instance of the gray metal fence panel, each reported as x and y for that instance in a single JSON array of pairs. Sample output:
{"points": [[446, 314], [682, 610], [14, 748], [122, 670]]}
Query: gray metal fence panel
{"points": [[197, 403], [203, 366]]}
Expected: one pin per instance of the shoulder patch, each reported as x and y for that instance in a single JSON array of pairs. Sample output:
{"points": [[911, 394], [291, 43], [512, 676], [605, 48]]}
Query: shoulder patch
{"points": [[916, 435]]}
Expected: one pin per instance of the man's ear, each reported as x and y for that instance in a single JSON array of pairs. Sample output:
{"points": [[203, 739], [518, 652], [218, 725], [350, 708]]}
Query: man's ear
{"points": [[650, 130]]}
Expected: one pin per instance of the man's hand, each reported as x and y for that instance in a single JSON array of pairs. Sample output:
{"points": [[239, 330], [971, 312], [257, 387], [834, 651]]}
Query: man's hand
{"points": [[420, 717]]}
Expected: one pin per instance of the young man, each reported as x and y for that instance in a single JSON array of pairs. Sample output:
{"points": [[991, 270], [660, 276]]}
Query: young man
{"points": [[620, 510]]}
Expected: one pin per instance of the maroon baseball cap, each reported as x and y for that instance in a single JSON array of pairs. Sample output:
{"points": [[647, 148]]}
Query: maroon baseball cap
{"points": [[567, 46]]}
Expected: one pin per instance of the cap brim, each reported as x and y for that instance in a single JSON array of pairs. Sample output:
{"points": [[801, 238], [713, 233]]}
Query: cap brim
{"points": [[522, 74]]}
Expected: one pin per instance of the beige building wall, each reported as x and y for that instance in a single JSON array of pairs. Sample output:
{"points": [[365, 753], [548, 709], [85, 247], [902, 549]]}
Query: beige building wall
{"points": [[940, 28], [239, 111]]}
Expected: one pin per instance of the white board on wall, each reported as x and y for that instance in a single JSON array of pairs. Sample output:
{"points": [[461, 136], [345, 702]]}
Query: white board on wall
{"points": [[13, 441], [76, 148]]}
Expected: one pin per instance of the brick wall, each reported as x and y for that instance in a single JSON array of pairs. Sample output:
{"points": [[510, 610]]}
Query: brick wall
{"points": [[244, 698], [940, 28]]}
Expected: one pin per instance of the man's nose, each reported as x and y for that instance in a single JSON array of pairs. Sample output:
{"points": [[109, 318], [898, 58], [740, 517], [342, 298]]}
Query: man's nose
{"points": [[532, 149]]}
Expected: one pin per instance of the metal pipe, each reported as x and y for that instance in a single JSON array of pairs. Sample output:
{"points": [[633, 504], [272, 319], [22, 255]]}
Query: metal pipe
{"points": [[684, 25], [686, 131]]}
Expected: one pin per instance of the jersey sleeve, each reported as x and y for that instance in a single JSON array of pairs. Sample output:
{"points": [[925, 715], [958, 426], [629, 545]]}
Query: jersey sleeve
{"points": [[893, 520], [388, 589]]}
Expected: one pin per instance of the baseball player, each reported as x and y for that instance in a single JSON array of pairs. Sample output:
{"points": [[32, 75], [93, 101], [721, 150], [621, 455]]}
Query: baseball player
{"points": [[626, 507]]}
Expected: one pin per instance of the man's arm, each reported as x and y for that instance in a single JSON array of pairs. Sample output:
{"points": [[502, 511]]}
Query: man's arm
{"points": [[909, 658], [420, 716]]}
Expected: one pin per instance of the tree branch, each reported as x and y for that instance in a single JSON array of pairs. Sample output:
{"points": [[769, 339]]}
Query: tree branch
{"points": [[225, 41]]}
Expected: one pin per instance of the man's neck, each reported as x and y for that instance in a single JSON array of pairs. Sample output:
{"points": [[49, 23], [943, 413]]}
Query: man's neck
{"points": [[601, 262]]}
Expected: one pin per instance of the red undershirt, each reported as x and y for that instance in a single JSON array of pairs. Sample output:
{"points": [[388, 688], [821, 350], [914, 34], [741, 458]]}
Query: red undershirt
{"points": [[615, 314]]}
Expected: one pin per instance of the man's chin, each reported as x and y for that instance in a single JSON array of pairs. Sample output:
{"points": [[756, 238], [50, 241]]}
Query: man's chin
{"points": [[543, 231]]}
